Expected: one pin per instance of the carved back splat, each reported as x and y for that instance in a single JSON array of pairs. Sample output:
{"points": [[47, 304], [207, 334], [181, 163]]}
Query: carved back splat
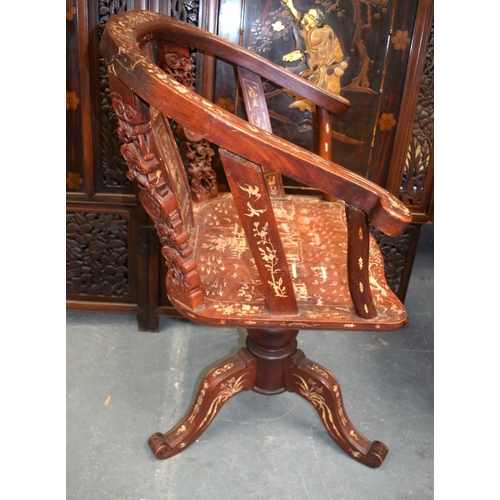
{"points": [[195, 150]]}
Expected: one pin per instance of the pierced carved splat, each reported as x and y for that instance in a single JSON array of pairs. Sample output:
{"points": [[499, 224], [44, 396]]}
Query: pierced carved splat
{"points": [[176, 61], [196, 151], [395, 252], [113, 166], [197, 154]]}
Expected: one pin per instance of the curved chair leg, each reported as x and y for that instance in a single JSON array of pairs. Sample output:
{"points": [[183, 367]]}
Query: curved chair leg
{"points": [[318, 386], [222, 382]]}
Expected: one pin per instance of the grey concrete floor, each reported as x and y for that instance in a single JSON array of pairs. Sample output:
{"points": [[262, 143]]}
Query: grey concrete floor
{"points": [[123, 385]]}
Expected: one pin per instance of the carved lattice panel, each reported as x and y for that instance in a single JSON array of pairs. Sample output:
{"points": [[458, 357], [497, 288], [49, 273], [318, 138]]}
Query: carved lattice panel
{"points": [[395, 253], [97, 254], [421, 144]]}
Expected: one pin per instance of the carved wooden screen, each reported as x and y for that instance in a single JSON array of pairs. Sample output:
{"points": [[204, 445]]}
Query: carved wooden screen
{"points": [[112, 251]]}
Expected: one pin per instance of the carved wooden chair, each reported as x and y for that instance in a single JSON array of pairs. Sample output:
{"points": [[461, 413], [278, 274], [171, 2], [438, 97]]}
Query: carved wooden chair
{"points": [[255, 257]]}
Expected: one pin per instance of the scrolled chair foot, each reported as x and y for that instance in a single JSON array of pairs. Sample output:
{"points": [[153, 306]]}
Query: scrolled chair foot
{"points": [[159, 446], [376, 454], [318, 385], [221, 383]]}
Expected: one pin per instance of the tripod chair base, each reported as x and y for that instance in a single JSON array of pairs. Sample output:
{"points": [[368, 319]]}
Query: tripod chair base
{"points": [[270, 364]]}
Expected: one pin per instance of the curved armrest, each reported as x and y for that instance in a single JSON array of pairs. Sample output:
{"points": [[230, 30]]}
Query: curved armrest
{"points": [[120, 46], [142, 26]]}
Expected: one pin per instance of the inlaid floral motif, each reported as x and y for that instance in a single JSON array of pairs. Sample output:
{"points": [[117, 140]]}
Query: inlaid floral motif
{"points": [[313, 394], [70, 10], [253, 94], [400, 40], [226, 103], [224, 369], [268, 254], [419, 156], [229, 389], [340, 408], [73, 180], [199, 401], [72, 100], [315, 368], [237, 309], [386, 122]]}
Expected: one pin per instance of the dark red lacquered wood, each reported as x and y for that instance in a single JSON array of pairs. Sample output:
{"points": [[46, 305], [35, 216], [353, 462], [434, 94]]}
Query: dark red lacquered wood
{"points": [[358, 252], [253, 203], [221, 383], [318, 386], [257, 113], [253, 258]]}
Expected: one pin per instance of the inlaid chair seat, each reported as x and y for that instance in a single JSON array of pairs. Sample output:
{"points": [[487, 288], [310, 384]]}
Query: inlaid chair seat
{"points": [[314, 236]]}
